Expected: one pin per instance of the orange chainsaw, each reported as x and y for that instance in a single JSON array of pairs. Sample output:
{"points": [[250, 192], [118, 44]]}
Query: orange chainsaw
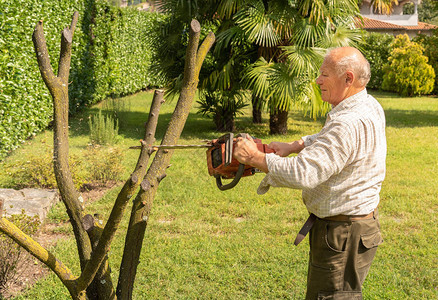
{"points": [[220, 161]]}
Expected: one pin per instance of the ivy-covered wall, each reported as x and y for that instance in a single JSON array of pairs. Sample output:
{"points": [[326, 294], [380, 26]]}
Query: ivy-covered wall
{"points": [[111, 56]]}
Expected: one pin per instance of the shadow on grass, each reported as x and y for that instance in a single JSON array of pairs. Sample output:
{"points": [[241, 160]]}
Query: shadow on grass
{"points": [[410, 118]]}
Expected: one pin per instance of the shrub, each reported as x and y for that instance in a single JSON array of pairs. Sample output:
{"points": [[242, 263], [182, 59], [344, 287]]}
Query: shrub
{"points": [[376, 48], [37, 171], [407, 71], [97, 164], [104, 163], [222, 107], [13, 256], [21, 86], [104, 129]]}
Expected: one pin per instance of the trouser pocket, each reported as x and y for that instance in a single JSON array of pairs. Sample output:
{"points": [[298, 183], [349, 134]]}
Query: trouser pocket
{"points": [[366, 252]]}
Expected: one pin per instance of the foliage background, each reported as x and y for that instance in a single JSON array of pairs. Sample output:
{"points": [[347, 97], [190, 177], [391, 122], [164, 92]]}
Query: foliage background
{"points": [[407, 71], [376, 48], [430, 44], [111, 56]]}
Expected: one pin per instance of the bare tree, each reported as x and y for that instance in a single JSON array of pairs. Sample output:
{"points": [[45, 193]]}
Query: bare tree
{"points": [[92, 240]]}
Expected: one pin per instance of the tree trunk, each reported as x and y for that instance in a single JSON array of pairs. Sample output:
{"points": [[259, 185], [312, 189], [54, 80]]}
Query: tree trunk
{"points": [[142, 204], [93, 241], [224, 122], [256, 111], [278, 122]]}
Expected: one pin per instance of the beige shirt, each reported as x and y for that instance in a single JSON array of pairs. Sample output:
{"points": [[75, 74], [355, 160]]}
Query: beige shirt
{"points": [[341, 168]]}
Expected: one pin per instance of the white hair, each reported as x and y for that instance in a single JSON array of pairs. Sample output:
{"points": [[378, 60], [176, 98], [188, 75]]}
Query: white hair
{"points": [[356, 64]]}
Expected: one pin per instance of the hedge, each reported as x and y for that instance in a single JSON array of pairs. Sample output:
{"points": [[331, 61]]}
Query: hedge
{"points": [[112, 53]]}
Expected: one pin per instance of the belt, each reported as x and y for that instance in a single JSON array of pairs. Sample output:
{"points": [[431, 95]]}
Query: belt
{"points": [[339, 218]]}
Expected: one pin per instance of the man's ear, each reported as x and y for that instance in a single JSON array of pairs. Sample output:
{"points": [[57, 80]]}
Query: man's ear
{"points": [[349, 78]]}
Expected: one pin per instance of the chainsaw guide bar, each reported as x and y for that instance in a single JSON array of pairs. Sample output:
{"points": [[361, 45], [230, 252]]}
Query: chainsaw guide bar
{"points": [[220, 161]]}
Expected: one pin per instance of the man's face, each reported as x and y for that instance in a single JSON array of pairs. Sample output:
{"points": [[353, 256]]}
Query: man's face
{"points": [[332, 87]]}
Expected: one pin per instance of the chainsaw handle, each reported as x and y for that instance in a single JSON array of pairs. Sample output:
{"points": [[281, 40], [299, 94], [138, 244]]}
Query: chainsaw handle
{"points": [[232, 183]]}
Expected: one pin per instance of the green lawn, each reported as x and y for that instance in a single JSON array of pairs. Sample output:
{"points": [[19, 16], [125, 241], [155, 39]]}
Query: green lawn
{"points": [[202, 243]]}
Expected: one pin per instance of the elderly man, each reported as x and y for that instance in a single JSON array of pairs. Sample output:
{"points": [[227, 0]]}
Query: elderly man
{"points": [[340, 172]]}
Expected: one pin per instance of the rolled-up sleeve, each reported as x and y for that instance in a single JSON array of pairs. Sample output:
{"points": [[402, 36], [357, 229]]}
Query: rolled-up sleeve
{"points": [[326, 155], [309, 139]]}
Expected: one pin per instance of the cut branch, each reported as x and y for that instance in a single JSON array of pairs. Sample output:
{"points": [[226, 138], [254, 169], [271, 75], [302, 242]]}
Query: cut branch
{"points": [[102, 281], [65, 56], [58, 87], [39, 42], [144, 199], [125, 194]]}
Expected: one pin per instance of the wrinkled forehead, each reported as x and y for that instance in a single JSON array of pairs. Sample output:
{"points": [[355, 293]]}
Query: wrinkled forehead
{"points": [[328, 65]]}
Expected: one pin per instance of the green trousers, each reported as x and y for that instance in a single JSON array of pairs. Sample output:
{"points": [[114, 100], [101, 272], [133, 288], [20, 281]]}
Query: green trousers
{"points": [[340, 257]]}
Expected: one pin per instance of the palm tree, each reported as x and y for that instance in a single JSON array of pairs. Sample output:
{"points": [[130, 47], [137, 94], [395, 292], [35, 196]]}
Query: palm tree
{"points": [[221, 94], [383, 6], [271, 47], [291, 37]]}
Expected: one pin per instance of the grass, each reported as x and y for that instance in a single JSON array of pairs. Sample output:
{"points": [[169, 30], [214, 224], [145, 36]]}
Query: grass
{"points": [[202, 243]]}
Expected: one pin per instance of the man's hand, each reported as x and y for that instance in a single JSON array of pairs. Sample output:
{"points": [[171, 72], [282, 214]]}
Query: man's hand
{"points": [[246, 152], [284, 149]]}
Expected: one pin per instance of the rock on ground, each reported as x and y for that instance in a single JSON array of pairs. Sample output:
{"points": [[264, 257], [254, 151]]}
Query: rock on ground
{"points": [[32, 201]]}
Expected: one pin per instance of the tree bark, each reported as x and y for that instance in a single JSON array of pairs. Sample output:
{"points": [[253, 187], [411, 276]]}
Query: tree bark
{"points": [[143, 202], [278, 122], [256, 111], [58, 87], [102, 285]]}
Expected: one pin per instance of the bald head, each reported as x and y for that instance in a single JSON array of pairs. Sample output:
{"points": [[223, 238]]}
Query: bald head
{"points": [[345, 59]]}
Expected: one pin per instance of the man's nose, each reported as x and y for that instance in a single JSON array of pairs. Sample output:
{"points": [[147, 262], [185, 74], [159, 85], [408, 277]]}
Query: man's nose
{"points": [[319, 80]]}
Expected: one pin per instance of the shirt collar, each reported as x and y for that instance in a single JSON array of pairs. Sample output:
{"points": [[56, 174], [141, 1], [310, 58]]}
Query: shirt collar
{"points": [[348, 102]]}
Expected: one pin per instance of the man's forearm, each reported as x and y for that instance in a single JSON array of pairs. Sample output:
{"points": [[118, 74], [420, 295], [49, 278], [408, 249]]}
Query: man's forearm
{"points": [[297, 146]]}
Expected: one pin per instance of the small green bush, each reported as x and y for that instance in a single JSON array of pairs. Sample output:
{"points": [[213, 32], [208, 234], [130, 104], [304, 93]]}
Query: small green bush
{"points": [[408, 72], [222, 107], [104, 163], [376, 48], [104, 129], [96, 165], [37, 171], [12, 256]]}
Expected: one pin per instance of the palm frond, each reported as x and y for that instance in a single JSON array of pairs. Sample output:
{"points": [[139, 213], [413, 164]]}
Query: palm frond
{"points": [[310, 101], [313, 10], [303, 61], [173, 89], [232, 36], [256, 78], [342, 36], [284, 14], [257, 24], [341, 8], [384, 6], [227, 8], [284, 87], [307, 34], [220, 79]]}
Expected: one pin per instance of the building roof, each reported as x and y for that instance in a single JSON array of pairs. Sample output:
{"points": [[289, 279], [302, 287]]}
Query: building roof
{"points": [[367, 23]]}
